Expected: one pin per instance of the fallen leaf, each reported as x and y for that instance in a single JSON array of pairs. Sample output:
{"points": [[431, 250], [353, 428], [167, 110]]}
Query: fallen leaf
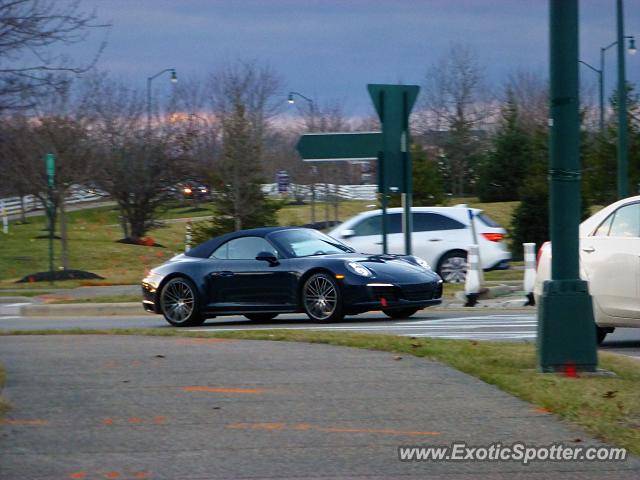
{"points": [[610, 394]]}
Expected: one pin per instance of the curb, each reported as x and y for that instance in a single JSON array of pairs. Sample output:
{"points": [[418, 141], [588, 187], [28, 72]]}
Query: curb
{"points": [[80, 309]]}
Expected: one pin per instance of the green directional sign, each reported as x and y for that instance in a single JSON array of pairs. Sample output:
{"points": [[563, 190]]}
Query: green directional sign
{"points": [[394, 103], [325, 147], [51, 169]]}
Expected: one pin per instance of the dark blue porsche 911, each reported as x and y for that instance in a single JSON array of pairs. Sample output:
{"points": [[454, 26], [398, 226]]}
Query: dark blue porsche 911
{"points": [[262, 272]]}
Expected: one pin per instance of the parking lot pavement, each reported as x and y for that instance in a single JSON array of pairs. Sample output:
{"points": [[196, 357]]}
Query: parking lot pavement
{"points": [[111, 407]]}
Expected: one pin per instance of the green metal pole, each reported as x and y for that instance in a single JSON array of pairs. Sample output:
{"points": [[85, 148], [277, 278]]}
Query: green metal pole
{"points": [[383, 184], [408, 178], [50, 166], [566, 329], [623, 156]]}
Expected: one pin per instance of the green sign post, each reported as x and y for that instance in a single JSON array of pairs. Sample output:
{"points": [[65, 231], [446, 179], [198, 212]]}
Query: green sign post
{"points": [[566, 329], [393, 103], [51, 172]]}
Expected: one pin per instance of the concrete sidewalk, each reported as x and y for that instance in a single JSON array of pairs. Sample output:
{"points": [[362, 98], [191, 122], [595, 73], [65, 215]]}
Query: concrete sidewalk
{"points": [[89, 407]]}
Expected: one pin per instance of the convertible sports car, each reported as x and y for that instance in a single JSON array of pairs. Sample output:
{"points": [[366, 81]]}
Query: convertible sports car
{"points": [[262, 272]]}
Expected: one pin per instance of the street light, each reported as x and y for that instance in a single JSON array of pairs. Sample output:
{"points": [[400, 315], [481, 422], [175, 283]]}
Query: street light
{"points": [[314, 170], [174, 79], [600, 72]]}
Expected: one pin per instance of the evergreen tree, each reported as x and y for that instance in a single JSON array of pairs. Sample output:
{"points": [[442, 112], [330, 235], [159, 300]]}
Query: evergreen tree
{"points": [[238, 199], [427, 182], [503, 169]]}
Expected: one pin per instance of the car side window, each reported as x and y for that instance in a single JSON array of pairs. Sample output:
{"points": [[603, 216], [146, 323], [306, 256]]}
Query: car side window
{"points": [[245, 248], [603, 229], [373, 225], [425, 222], [626, 222]]}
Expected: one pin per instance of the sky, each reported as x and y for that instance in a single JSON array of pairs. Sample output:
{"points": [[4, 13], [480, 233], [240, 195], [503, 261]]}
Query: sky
{"points": [[329, 50]]}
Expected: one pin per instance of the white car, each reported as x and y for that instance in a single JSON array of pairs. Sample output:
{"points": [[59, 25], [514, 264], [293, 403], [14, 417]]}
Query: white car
{"points": [[610, 262], [441, 236]]}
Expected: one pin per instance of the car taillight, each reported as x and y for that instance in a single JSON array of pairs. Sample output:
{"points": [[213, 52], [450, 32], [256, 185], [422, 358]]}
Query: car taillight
{"points": [[493, 237], [540, 254]]}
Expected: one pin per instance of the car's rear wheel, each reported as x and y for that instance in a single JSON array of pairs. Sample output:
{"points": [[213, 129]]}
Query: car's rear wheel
{"points": [[321, 298], [453, 267], [400, 312], [179, 303], [261, 317]]}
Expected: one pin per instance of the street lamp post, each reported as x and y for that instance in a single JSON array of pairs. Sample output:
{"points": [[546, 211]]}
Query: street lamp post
{"points": [[623, 154], [314, 169], [600, 72], [174, 79]]}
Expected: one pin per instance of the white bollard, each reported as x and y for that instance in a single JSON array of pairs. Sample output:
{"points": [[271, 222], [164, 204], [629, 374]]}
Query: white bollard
{"points": [[472, 279], [529, 272], [187, 236]]}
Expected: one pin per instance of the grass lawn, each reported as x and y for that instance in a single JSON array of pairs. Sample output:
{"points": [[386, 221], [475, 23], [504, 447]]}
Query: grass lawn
{"points": [[606, 407], [93, 247]]}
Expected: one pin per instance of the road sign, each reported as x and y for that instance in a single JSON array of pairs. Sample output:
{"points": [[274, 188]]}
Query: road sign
{"points": [[51, 169], [394, 103], [326, 147], [282, 178]]}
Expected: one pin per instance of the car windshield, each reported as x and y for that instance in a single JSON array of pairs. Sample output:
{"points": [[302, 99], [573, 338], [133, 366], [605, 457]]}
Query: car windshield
{"points": [[307, 242]]}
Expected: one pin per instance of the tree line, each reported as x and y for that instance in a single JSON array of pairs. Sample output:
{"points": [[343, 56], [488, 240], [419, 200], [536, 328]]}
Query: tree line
{"points": [[229, 129]]}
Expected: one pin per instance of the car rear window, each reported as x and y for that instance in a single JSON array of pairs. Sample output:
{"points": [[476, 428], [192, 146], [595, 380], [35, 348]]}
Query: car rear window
{"points": [[487, 220]]}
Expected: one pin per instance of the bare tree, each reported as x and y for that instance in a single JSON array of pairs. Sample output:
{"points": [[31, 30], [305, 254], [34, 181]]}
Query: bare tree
{"points": [[244, 100], [135, 166], [28, 30], [455, 106]]}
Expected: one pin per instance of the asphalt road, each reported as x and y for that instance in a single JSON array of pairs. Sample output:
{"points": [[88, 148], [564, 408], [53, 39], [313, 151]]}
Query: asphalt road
{"points": [[151, 408], [477, 324]]}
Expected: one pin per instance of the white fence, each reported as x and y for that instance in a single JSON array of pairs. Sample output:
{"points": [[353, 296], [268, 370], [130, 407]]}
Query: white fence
{"points": [[77, 194], [346, 192]]}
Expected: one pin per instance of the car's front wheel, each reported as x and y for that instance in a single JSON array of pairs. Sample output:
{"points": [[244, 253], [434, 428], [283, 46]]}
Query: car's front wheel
{"points": [[179, 303], [321, 298], [261, 317], [400, 312], [452, 267]]}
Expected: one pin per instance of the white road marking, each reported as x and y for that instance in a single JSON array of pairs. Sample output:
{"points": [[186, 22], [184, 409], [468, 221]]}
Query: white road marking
{"points": [[496, 327]]}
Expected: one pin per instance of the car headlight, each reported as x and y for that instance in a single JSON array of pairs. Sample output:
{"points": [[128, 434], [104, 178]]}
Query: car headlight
{"points": [[423, 263], [359, 269]]}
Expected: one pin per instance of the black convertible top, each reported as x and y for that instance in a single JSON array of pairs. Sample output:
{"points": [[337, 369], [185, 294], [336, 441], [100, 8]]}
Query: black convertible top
{"points": [[205, 249]]}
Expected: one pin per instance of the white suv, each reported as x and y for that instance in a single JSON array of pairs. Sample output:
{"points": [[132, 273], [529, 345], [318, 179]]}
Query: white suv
{"points": [[441, 235]]}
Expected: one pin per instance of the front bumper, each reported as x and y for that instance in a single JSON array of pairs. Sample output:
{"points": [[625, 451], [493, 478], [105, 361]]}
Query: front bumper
{"points": [[381, 295], [149, 303]]}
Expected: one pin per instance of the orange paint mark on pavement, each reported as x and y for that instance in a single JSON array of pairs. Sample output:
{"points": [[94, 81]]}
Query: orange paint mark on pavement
{"points": [[135, 420], [24, 423], [78, 475], [112, 475], [141, 475], [223, 390], [159, 420], [107, 421], [307, 427], [387, 431], [203, 340]]}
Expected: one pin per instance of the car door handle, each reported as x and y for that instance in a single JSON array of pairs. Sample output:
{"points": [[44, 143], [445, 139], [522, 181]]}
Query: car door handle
{"points": [[588, 249], [225, 273], [435, 239]]}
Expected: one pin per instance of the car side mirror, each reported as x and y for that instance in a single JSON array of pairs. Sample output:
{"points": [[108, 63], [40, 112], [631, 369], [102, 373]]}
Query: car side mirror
{"points": [[267, 257], [347, 233]]}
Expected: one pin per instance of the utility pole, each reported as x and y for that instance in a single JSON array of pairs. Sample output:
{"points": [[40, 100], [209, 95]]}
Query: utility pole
{"points": [[566, 328], [623, 150]]}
